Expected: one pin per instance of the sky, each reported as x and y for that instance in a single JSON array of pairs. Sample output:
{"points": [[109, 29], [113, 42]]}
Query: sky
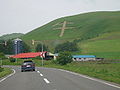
{"points": [[22, 16]]}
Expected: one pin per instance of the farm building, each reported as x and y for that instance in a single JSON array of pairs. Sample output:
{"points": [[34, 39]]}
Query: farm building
{"points": [[46, 55], [30, 55], [83, 57]]}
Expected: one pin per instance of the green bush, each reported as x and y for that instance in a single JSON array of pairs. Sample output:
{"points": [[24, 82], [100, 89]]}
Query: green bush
{"points": [[67, 46], [1, 69], [12, 59], [64, 58], [2, 56], [38, 57], [54, 61], [39, 48]]}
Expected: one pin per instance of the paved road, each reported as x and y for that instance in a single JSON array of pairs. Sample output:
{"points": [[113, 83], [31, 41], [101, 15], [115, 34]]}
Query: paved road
{"points": [[52, 79]]}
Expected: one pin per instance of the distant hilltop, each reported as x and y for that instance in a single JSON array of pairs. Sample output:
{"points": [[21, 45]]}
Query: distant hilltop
{"points": [[11, 36]]}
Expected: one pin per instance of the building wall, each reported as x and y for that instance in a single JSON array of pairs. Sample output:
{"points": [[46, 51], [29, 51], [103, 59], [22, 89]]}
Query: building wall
{"points": [[84, 59]]}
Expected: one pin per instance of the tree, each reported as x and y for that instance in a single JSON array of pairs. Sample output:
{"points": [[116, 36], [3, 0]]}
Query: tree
{"points": [[2, 46], [9, 48], [6, 49], [67, 46], [39, 48], [25, 48], [64, 58], [2, 56]]}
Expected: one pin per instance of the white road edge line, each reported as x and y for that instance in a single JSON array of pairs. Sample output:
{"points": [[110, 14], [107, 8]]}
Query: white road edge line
{"points": [[91, 78], [8, 76], [41, 74], [46, 80]]}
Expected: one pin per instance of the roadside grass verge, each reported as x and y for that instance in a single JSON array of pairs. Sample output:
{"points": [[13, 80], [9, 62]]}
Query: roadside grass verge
{"points": [[5, 71], [106, 70], [7, 62]]}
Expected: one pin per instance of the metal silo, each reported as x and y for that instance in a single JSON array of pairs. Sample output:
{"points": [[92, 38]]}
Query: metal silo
{"points": [[18, 46]]}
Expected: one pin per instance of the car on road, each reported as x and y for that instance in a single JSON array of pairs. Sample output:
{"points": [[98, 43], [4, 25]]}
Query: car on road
{"points": [[28, 65]]}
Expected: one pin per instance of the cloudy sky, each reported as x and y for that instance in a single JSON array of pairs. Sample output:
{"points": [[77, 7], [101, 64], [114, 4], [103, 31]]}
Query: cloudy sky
{"points": [[22, 16]]}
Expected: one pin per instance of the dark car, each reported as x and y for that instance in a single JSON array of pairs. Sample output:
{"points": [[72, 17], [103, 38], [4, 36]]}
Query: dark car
{"points": [[28, 65]]}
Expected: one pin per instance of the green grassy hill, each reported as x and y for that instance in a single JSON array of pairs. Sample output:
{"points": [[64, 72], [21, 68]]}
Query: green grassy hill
{"points": [[106, 46], [95, 29], [85, 25], [11, 36]]}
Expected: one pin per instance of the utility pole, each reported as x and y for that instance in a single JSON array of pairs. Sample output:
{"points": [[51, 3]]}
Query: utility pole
{"points": [[33, 43]]}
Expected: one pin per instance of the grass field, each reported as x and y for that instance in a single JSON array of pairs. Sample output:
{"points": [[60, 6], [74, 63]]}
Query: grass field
{"points": [[108, 70], [106, 46], [5, 71]]}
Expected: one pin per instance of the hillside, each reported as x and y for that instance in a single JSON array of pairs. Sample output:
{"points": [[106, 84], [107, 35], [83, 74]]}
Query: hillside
{"points": [[11, 36], [106, 46], [86, 27]]}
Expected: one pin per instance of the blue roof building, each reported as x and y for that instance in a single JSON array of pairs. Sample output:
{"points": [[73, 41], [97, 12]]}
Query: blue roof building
{"points": [[84, 57]]}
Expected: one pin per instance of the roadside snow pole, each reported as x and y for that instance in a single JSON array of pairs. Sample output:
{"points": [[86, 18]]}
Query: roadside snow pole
{"points": [[42, 54]]}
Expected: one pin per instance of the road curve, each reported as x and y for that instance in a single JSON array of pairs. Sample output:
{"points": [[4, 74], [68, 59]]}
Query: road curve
{"points": [[51, 79]]}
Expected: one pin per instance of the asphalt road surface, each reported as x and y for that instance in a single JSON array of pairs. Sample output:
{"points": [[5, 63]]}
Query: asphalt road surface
{"points": [[52, 79]]}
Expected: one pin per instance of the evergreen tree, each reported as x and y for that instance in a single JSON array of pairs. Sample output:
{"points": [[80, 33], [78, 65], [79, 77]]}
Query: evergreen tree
{"points": [[2, 56], [25, 47], [9, 47], [39, 48], [67, 46], [64, 58]]}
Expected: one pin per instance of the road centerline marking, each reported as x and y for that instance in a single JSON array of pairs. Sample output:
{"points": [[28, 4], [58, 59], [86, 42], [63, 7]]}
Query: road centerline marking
{"points": [[41, 74], [46, 80], [38, 71]]}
